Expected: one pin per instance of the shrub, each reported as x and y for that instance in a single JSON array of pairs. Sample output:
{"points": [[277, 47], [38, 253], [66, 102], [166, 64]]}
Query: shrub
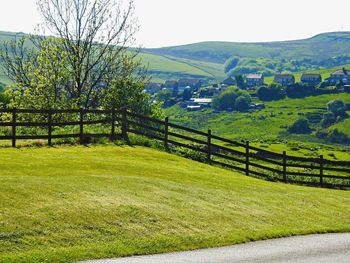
{"points": [[242, 103], [328, 119], [299, 90], [337, 107], [338, 137], [301, 126], [271, 92]]}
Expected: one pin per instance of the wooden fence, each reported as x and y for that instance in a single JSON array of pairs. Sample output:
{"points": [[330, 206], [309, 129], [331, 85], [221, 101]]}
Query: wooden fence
{"points": [[215, 150]]}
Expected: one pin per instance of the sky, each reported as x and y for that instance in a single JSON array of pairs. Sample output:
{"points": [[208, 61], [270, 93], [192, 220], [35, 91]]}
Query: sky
{"points": [[176, 22]]}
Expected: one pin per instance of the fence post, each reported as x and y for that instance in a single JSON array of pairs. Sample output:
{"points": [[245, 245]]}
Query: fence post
{"points": [[166, 133], [285, 166], [124, 124], [49, 125], [321, 170], [14, 115], [81, 124], [247, 158], [209, 146], [113, 137]]}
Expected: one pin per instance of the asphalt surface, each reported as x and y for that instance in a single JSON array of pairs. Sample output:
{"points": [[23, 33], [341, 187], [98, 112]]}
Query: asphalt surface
{"points": [[301, 249]]}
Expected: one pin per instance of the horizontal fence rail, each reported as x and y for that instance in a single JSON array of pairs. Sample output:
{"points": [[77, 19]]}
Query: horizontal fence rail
{"points": [[204, 146]]}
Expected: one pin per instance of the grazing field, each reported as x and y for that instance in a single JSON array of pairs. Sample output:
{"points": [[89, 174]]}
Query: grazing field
{"points": [[164, 68], [72, 203], [267, 128]]}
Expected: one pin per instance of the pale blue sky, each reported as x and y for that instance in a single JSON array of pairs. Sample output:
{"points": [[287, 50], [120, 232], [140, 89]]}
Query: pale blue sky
{"points": [[173, 22]]}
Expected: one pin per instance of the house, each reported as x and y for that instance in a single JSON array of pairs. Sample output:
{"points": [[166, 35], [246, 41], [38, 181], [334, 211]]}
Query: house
{"points": [[229, 82], [195, 104], [311, 79], [171, 85], [194, 84], [342, 75], [284, 79], [203, 102], [153, 88], [253, 80]]}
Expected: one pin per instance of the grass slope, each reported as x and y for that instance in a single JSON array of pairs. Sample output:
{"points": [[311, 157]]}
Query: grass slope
{"points": [[268, 125], [160, 67], [320, 46], [168, 68], [73, 203]]}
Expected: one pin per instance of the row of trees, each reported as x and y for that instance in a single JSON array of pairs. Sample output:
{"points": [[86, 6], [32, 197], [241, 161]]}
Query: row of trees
{"points": [[86, 63], [271, 66], [275, 91]]}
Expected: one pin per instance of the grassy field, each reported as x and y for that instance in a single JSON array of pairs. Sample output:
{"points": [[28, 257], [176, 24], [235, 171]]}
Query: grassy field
{"points": [[158, 64], [267, 127], [73, 203]]}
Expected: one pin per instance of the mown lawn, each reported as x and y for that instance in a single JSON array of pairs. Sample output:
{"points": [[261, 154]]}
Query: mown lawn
{"points": [[73, 203]]}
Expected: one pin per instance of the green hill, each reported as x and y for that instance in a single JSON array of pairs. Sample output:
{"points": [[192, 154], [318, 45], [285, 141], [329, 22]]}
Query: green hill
{"points": [[164, 67], [317, 47], [159, 67], [267, 128], [74, 203], [206, 60]]}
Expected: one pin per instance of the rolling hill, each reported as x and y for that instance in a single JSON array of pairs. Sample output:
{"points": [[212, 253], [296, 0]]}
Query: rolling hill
{"points": [[159, 66], [317, 47], [206, 60]]}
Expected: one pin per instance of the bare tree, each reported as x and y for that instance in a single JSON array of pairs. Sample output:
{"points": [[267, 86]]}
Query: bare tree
{"points": [[96, 35]]}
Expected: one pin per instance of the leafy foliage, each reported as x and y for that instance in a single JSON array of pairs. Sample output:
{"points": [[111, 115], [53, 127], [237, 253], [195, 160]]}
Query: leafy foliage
{"points": [[271, 92], [87, 62], [231, 63], [301, 126], [337, 107], [231, 99], [299, 90]]}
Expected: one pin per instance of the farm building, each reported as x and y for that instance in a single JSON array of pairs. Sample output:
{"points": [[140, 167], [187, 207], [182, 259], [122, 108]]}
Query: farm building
{"points": [[342, 75], [253, 80], [311, 79], [284, 79]]}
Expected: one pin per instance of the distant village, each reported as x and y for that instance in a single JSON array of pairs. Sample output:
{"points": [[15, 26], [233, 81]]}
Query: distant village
{"points": [[201, 93]]}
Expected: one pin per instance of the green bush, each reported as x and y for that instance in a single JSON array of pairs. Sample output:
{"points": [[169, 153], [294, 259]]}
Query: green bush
{"points": [[271, 92], [328, 119], [337, 107], [301, 126], [227, 100]]}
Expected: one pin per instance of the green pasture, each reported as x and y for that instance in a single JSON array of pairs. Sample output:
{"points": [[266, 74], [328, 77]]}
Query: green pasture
{"points": [[268, 127]]}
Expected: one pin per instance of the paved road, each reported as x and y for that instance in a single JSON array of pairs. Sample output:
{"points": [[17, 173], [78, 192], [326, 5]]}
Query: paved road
{"points": [[302, 249]]}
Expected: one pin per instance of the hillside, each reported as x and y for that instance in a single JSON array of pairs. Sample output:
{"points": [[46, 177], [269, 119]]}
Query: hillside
{"points": [[159, 67], [74, 203], [267, 128], [317, 47], [163, 67], [206, 60]]}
